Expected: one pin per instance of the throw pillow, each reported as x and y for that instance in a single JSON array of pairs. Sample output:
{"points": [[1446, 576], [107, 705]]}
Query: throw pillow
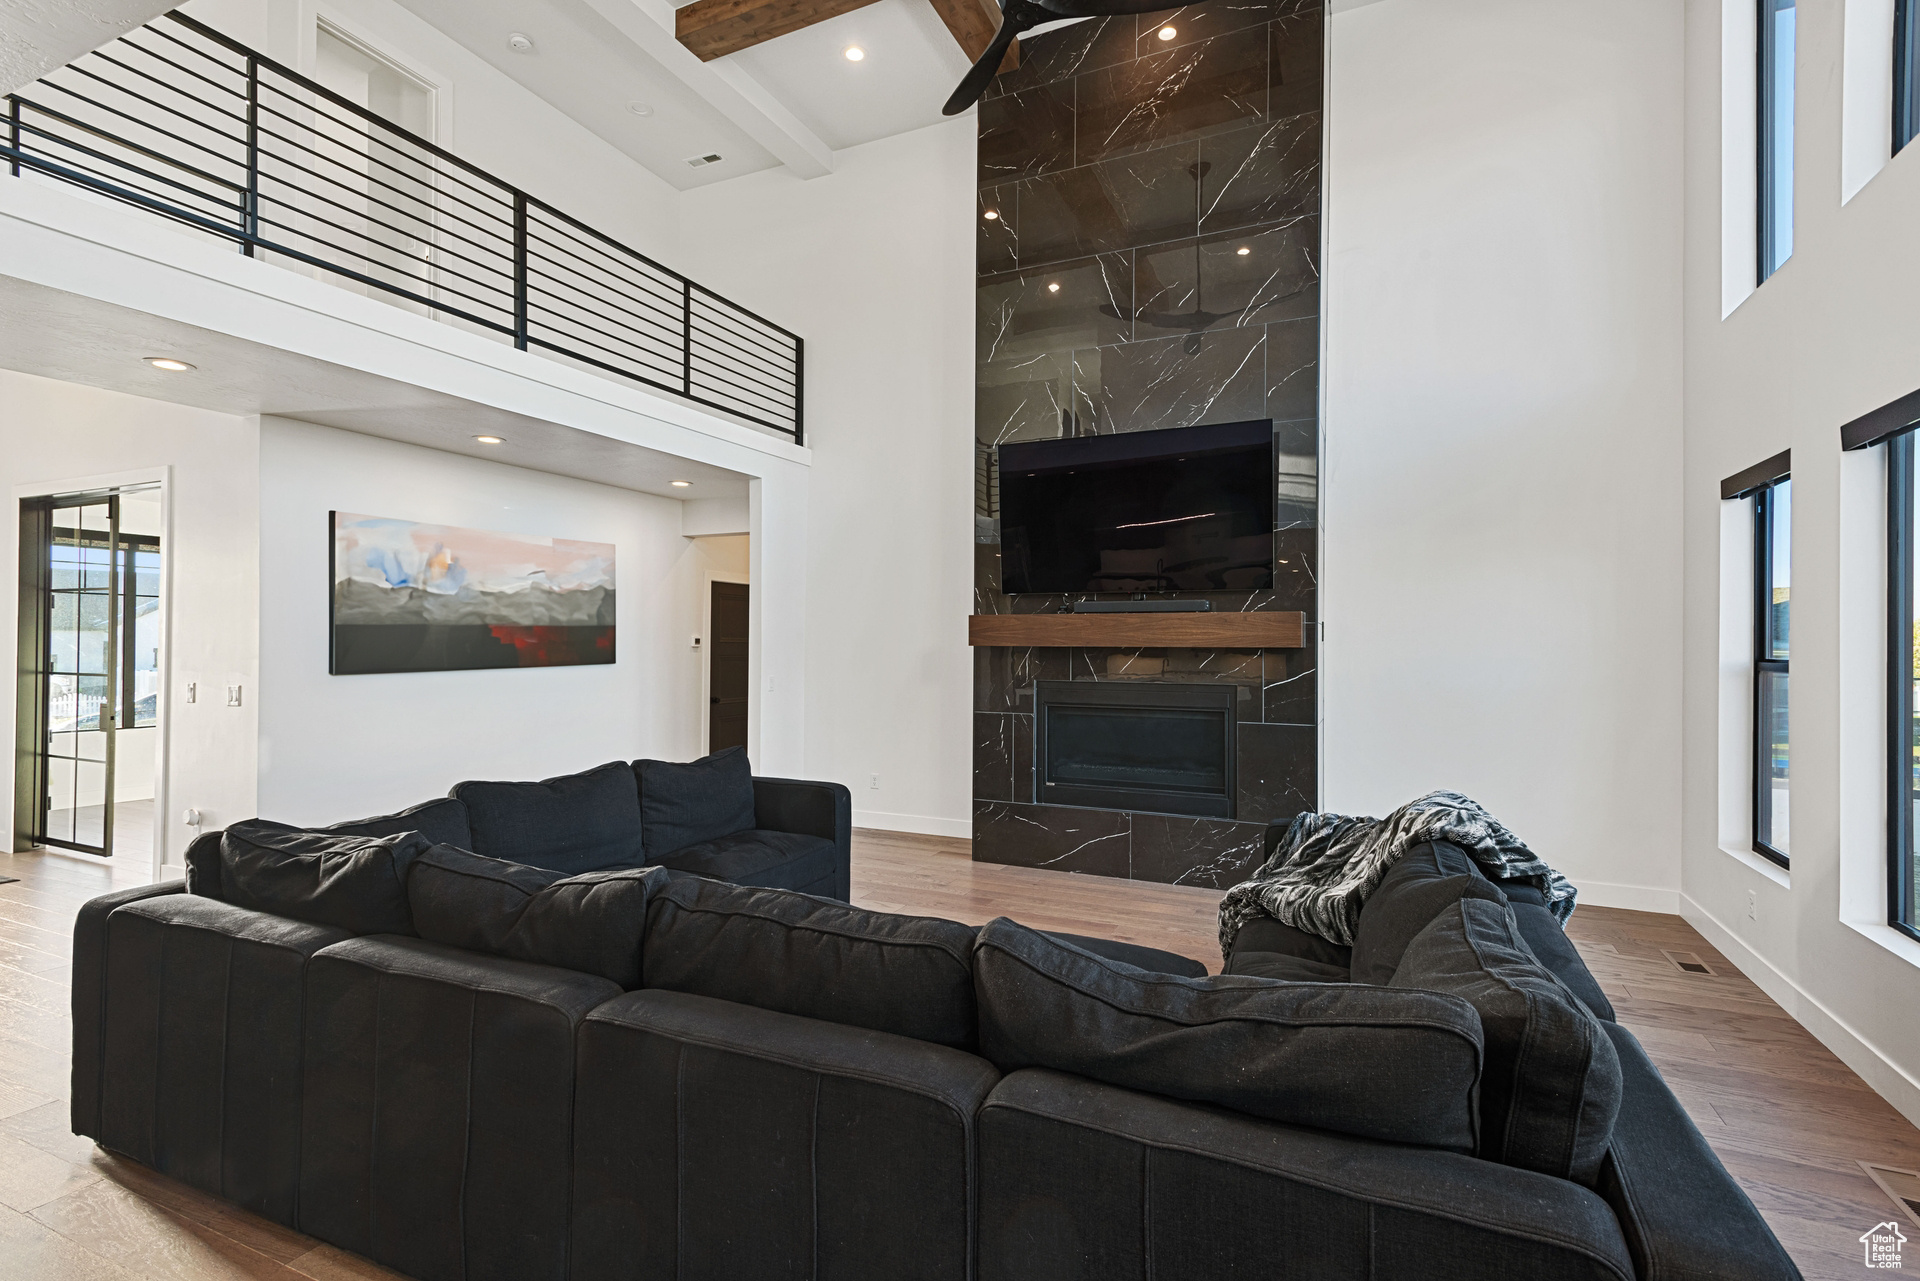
{"points": [[442, 820], [354, 883], [780, 950], [592, 922], [574, 823], [1427, 878], [1375, 1062], [1551, 1086], [682, 805]]}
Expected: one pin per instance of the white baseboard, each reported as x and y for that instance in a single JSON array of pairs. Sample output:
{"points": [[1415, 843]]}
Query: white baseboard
{"points": [[1887, 1078], [917, 824], [1637, 898]]}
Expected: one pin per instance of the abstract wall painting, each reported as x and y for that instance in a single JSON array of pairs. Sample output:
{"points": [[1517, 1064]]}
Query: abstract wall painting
{"points": [[409, 597]]}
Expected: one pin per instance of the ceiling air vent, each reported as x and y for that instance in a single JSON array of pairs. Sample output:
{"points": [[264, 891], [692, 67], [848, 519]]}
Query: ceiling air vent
{"points": [[699, 162]]}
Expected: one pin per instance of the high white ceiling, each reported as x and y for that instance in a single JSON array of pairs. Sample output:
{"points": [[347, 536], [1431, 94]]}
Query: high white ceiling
{"points": [[791, 100]]}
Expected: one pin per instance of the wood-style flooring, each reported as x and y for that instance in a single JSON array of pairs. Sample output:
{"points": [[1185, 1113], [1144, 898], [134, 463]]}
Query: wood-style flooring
{"points": [[1787, 1118]]}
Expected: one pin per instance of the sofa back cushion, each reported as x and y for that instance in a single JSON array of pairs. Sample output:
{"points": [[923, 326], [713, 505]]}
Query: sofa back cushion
{"points": [[1426, 878], [442, 820], [703, 800], [1375, 1062], [574, 823], [1551, 1086], [354, 883], [908, 975], [591, 922]]}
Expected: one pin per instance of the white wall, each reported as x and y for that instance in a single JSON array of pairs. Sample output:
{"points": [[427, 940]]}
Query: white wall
{"points": [[339, 747], [1830, 336], [1502, 424], [873, 265], [53, 434]]}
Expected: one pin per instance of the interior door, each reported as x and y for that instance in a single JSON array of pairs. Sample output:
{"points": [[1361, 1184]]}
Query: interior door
{"points": [[727, 667], [80, 596]]}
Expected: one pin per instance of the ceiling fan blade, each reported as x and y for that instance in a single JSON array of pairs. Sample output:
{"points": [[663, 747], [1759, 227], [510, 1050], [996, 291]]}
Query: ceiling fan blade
{"points": [[981, 74]]}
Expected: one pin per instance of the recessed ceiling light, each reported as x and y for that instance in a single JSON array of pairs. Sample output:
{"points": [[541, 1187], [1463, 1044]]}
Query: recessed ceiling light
{"points": [[490, 440], [855, 53], [169, 364], [640, 108], [1243, 251], [1167, 33], [681, 484], [519, 43], [992, 214], [1053, 286]]}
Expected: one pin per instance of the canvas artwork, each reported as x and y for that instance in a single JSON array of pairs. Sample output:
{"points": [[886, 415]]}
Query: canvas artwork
{"points": [[409, 597]]}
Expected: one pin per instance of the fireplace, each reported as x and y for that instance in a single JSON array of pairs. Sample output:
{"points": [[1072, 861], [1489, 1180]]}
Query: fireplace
{"points": [[1156, 746]]}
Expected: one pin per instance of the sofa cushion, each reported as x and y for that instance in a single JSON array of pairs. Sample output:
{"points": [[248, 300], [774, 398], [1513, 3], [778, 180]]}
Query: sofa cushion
{"points": [[1265, 934], [442, 820], [1285, 1051], [1551, 1086], [768, 860], [685, 804], [1551, 946], [908, 975], [1284, 966], [354, 883], [1138, 955], [591, 922], [574, 823], [1427, 877]]}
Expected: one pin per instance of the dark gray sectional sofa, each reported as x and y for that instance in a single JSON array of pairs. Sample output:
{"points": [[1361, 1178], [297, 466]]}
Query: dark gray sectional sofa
{"points": [[726, 1080]]}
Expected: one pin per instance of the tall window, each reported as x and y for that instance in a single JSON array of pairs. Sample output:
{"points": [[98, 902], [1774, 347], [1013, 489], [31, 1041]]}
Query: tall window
{"points": [[1903, 682], [1772, 614], [1906, 63], [1776, 38]]}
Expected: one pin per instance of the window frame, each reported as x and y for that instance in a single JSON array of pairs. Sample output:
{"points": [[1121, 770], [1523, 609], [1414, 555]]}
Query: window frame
{"points": [[1764, 664], [1766, 212], [1906, 62], [1900, 684]]}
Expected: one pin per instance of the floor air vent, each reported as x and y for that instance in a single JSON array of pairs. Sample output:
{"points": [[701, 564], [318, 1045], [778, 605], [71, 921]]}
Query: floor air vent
{"points": [[1687, 962], [1901, 1186]]}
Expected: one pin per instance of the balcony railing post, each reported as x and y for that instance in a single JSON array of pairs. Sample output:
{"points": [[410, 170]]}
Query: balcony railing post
{"points": [[686, 337], [13, 136], [251, 216], [799, 389], [520, 270]]}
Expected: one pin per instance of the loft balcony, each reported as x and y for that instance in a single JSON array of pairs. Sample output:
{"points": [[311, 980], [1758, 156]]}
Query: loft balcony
{"points": [[180, 121]]}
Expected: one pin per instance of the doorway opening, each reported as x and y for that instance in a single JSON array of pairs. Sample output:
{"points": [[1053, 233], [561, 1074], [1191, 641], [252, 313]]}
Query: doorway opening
{"points": [[89, 672], [727, 687]]}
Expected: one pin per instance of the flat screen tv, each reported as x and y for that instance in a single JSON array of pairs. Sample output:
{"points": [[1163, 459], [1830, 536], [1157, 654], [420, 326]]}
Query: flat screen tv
{"points": [[1188, 509]]}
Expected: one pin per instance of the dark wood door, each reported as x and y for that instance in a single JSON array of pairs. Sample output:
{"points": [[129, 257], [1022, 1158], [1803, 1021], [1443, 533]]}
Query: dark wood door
{"points": [[727, 667]]}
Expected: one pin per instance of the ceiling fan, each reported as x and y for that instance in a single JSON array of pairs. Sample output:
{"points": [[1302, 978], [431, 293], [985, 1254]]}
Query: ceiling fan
{"points": [[1017, 16]]}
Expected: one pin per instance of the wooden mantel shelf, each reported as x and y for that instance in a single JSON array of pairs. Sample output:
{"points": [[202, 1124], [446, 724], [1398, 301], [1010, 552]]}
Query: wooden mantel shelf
{"points": [[1276, 629]]}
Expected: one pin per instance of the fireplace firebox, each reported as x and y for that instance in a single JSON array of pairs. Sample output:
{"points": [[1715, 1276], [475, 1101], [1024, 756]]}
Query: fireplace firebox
{"points": [[1157, 746]]}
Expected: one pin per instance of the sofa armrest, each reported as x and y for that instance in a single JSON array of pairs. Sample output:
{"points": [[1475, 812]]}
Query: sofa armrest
{"points": [[90, 997], [809, 809], [1684, 1217]]}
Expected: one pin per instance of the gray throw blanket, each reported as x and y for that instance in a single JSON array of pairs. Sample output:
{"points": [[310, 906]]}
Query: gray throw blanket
{"points": [[1327, 864]]}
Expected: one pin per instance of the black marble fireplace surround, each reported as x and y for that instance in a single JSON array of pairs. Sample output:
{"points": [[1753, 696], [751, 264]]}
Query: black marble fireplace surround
{"points": [[1149, 250]]}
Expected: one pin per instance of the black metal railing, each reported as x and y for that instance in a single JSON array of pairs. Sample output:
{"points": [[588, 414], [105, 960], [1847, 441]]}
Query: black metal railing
{"points": [[177, 119]]}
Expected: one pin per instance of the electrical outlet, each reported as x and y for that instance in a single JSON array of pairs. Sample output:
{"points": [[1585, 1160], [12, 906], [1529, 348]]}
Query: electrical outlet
{"points": [[873, 782], [193, 691], [1753, 905], [233, 696]]}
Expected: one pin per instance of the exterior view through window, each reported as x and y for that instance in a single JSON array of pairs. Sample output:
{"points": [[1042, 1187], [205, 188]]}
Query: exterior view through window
{"points": [[1773, 613], [1776, 41]]}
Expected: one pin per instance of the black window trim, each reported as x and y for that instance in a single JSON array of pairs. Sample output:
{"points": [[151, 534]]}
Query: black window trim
{"points": [[1906, 61], [1900, 648], [1762, 752], [1764, 212]]}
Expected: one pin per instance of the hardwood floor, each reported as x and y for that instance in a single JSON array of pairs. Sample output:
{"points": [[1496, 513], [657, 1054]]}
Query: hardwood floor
{"points": [[1787, 1118]]}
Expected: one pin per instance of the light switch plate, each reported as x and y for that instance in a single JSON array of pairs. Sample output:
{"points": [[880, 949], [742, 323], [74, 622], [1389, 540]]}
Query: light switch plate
{"points": [[233, 696]]}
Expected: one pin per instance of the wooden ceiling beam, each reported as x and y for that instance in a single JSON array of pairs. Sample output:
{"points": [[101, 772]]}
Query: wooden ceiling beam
{"points": [[973, 24], [715, 28]]}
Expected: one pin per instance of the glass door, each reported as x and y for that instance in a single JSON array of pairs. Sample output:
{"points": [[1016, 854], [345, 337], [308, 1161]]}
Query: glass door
{"points": [[83, 591]]}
